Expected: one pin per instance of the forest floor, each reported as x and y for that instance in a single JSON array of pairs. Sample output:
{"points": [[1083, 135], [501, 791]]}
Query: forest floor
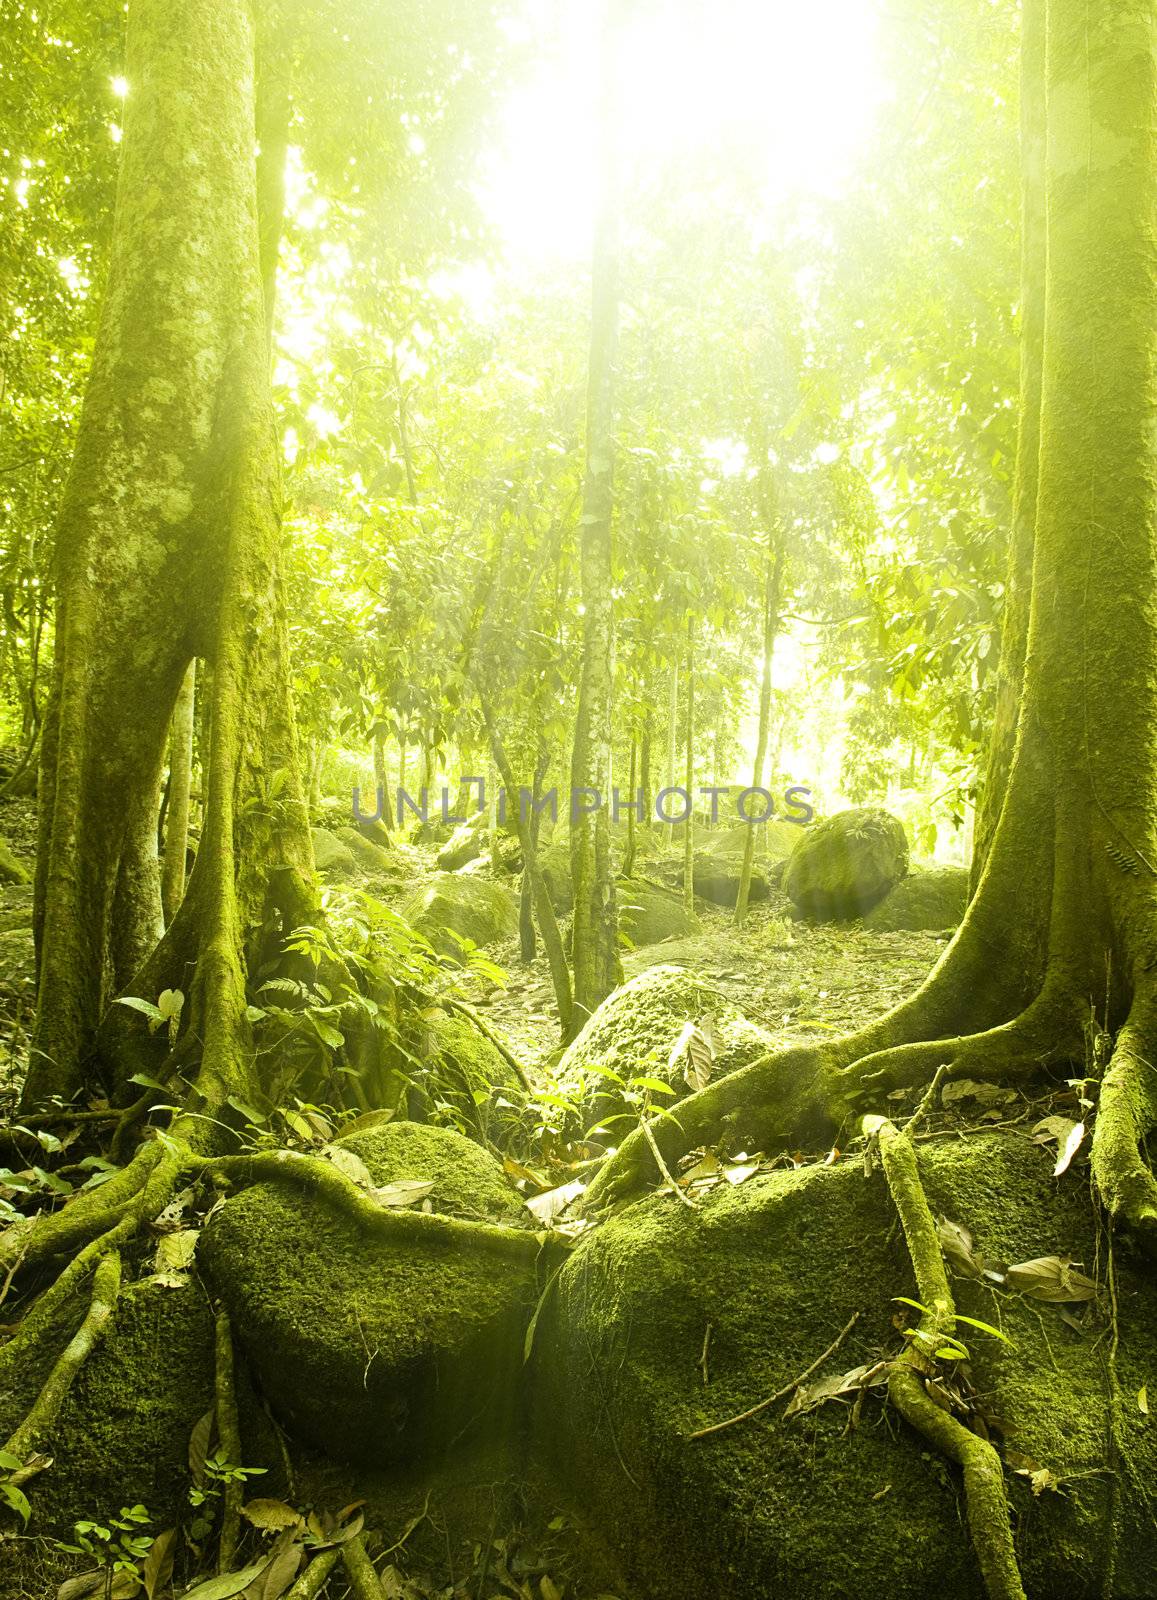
{"points": [[796, 980]]}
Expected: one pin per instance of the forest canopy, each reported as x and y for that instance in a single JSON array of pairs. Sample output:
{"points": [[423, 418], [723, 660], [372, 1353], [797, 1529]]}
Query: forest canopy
{"points": [[578, 809]]}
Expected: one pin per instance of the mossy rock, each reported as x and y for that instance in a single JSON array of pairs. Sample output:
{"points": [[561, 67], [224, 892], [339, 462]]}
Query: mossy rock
{"points": [[555, 864], [465, 904], [465, 844], [331, 856], [649, 914], [927, 901], [774, 840], [12, 869], [367, 855], [463, 1076], [843, 866], [373, 1352], [122, 1436], [468, 1182], [716, 877], [814, 1507], [636, 1026]]}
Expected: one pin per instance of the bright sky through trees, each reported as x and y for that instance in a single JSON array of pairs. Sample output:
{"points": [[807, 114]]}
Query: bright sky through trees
{"points": [[794, 88]]}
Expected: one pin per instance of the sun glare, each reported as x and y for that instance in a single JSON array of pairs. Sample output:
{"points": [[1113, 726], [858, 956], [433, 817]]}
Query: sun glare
{"points": [[789, 91]]}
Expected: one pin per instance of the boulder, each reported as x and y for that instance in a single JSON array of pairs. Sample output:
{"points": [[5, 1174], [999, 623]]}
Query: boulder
{"points": [[374, 1351], [555, 864], [465, 844], [750, 1289], [459, 1074], [649, 914], [454, 906], [927, 900], [843, 866], [774, 840], [12, 870], [635, 1028], [370, 857], [331, 855], [717, 877]]}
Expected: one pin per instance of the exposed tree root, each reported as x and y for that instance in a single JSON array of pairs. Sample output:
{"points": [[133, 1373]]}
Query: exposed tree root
{"points": [[359, 1568], [1127, 1112], [320, 1177], [313, 1579], [985, 1498], [105, 1288], [229, 1435]]}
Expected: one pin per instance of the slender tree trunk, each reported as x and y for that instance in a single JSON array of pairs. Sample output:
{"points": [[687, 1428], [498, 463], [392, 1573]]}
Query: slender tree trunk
{"points": [[772, 596], [629, 858], [689, 825], [381, 779], [645, 773], [595, 928], [531, 869], [673, 739], [180, 791]]}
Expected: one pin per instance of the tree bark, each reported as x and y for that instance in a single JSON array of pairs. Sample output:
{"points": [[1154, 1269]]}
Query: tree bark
{"points": [[595, 928], [172, 510], [180, 789], [772, 596], [689, 824]]}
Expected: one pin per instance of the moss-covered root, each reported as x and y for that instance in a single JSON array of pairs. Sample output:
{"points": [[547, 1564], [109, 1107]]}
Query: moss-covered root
{"points": [[313, 1579], [229, 1435], [105, 1289], [984, 1494], [322, 1178], [359, 1569], [1126, 1115]]}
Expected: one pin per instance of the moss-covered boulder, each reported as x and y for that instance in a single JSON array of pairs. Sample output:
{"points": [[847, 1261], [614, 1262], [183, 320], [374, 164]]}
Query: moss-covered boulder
{"points": [[468, 1182], [12, 869], [462, 904], [716, 878], [465, 844], [774, 840], [123, 1432], [554, 861], [368, 856], [843, 866], [456, 1073], [649, 913], [752, 1288], [375, 1352], [927, 900], [330, 855], [635, 1028]]}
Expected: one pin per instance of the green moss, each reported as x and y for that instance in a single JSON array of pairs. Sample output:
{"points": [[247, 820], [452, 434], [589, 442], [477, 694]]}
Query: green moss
{"points": [[375, 1353], [776, 1267], [369, 856], [123, 1432], [468, 1182], [634, 1029], [462, 904], [649, 914], [842, 866], [458, 1067]]}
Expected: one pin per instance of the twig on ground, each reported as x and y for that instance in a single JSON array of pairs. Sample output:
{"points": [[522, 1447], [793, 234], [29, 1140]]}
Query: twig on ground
{"points": [[781, 1394]]}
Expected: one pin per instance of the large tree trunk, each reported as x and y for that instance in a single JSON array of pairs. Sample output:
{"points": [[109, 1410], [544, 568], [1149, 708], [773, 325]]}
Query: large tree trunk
{"points": [[595, 928], [172, 510], [1055, 959]]}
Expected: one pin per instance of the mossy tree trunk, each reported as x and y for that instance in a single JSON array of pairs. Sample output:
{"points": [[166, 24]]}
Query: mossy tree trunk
{"points": [[772, 596], [180, 792], [172, 510], [1054, 962], [595, 928]]}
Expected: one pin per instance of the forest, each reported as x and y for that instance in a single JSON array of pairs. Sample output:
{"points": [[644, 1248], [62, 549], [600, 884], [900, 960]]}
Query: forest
{"points": [[578, 799]]}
